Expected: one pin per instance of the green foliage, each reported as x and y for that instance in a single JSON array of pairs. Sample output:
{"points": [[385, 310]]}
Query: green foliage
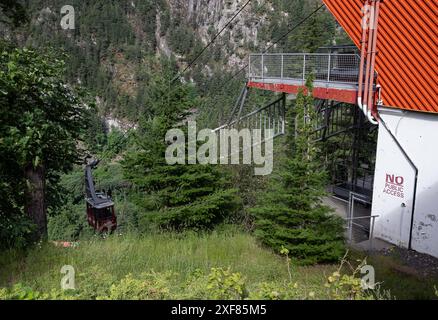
{"points": [[100, 263], [319, 30], [150, 286], [290, 216], [182, 39], [41, 120], [95, 137], [18, 292], [68, 222], [109, 42], [174, 196], [13, 12], [348, 285], [275, 291], [116, 143], [226, 285], [345, 286], [41, 116], [15, 230], [219, 284]]}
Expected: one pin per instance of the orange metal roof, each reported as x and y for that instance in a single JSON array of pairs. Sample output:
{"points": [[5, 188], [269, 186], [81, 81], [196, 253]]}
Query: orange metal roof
{"points": [[407, 49]]}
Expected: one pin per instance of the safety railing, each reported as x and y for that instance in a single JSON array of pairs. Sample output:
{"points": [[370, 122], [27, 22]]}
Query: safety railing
{"points": [[330, 68], [269, 117], [359, 227]]}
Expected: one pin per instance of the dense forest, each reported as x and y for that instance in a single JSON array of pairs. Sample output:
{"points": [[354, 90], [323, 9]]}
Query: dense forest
{"points": [[110, 89], [116, 53]]}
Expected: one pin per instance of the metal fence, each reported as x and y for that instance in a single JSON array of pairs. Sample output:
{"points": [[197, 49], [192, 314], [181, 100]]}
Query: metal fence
{"points": [[339, 68], [360, 226], [271, 116]]}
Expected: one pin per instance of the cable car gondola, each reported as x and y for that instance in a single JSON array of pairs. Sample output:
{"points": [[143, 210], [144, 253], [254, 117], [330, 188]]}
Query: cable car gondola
{"points": [[100, 207]]}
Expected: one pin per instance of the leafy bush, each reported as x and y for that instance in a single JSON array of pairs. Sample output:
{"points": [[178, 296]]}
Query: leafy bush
{"points": [[274, 291], [93, 284], [345, 286], [220, 283], [226, 285], [21, 292], [15, 231], [18, 292], [149, 286], [349, 285], [69, 223]]}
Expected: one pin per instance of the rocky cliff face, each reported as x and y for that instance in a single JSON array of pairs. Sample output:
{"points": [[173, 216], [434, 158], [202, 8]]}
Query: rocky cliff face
{"points": [[114, 41], [207, 17]]}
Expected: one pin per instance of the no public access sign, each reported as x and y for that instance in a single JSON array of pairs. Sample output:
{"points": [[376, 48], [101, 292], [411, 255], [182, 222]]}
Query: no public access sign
{"points": [[394, 185]]}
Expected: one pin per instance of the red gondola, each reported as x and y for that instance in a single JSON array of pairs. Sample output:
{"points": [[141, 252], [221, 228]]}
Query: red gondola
{"points": [[100, 207]]}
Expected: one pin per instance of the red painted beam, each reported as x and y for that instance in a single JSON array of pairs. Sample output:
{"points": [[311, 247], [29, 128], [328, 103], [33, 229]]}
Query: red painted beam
{"points": [[341, 95]]}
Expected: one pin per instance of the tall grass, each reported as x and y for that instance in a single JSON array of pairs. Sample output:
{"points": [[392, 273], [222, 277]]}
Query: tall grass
{"points": [[183, 254], [99, 262]]}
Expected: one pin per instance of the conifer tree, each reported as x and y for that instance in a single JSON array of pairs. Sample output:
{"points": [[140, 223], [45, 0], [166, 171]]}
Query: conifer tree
{"points": [[174, 196], [291, 214]]}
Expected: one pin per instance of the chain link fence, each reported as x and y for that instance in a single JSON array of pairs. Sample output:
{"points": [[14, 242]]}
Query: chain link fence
{"points": [[338, 68]]}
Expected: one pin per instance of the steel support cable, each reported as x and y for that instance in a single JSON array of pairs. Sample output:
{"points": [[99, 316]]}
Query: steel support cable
{"points": [[192, 63], [275, 42], [225, 83], [178, 76]]}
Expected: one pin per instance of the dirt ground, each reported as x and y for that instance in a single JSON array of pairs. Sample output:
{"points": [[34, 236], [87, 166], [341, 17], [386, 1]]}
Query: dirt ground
{"points": [[413, 262]]}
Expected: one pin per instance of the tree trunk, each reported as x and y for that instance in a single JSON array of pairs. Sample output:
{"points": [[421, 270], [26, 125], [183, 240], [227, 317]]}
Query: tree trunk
{"points": [[35, 200]]}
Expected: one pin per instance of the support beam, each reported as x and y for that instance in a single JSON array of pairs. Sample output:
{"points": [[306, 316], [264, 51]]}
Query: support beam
{"points": [[341, 95]]}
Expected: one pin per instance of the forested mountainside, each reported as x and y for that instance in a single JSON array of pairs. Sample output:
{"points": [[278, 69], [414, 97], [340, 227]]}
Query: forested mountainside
{"points": [[154, 229], [114, 42], [146, 65]]}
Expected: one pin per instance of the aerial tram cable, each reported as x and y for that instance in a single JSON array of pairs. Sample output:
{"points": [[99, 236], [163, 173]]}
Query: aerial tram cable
{"points": [[192, 63], [224, 85], [276, 42]]}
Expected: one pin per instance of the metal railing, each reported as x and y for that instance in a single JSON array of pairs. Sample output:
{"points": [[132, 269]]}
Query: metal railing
{"points": [[360, 228], [270, 120], [330, 68], [271, 116]]}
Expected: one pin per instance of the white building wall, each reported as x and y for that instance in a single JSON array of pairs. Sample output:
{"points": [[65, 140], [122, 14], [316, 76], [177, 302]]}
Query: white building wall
{"points": [[394, 181]]}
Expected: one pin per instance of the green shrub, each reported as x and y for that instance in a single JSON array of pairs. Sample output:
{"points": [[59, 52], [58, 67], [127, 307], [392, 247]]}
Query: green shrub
{"points": [[220, 283], [94, 283], [18, 292], [348, 285], [274, 291], [21, 292], [149, 286], [226, 285]]}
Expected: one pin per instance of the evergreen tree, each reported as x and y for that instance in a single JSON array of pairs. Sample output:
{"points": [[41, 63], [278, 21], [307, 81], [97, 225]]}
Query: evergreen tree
{"points": [[291, 214], [174, 196]]}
